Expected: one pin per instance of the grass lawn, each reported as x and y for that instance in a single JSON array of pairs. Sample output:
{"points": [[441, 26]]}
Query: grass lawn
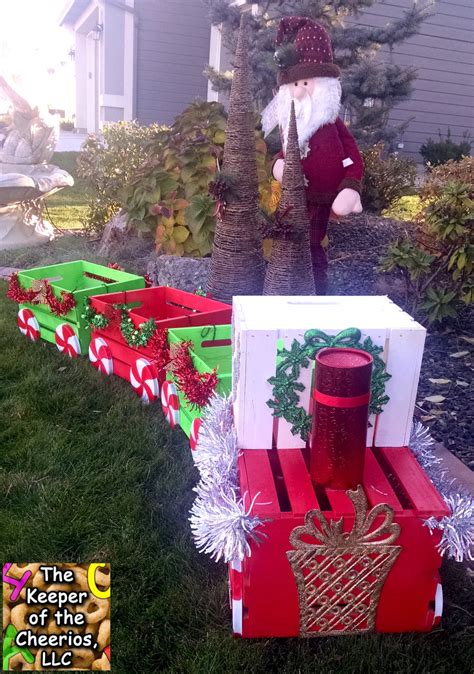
{"points": [[87, 473], [405, 208], [67, 208]]}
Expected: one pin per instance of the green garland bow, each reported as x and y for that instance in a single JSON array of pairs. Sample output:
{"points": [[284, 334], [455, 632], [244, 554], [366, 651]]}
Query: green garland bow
{"points": [[285, 401], [93, 318], [135, 336]]}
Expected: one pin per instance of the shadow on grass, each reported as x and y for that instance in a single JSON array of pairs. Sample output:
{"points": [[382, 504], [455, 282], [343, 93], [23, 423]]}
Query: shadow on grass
{"points": [[88, 474]]}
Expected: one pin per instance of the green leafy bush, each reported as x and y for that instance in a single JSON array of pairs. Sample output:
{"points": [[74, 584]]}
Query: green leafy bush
{"points": [[66, 125], [386, 179], [438, 266], [107, 163], [439, 152], [168, 195], [452, 171]]}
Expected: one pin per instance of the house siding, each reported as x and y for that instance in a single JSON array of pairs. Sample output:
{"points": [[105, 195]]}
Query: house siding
{"points": [[443, 54], [172, 51]]}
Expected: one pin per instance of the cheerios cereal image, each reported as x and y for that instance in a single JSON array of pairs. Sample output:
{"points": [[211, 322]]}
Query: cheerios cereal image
{"points": [[56, 617]]}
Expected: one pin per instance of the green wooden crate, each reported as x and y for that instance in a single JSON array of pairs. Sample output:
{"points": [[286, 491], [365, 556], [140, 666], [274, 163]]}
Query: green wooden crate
{"points": [[73, 278], [211, 348]]}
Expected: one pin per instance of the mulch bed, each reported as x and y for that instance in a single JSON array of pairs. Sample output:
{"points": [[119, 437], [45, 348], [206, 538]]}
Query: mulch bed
{"points": [[356, 245]]}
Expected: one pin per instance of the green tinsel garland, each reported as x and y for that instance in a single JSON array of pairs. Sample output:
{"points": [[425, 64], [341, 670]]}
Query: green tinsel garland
{"points": [[285, 401], [93, 319], [132, 335]]}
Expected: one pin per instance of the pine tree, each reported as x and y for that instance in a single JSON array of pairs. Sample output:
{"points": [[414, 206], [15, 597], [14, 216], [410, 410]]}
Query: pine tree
{"points": [[237, 266], [365, 79], [289, 271]]}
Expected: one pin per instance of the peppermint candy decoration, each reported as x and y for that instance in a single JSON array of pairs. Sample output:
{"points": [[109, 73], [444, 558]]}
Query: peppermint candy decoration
{"points": [[235, 595], [194, 433], [67, 341], [144, 379], [170, 403], [28, 324], [100, 355]]}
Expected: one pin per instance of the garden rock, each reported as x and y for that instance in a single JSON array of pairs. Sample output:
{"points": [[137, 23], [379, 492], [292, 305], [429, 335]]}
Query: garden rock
{"points": [[185, 273]]}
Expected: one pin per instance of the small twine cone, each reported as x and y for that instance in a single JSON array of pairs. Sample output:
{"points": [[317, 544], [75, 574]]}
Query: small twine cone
{"points": [[289, 271], [237, 266]]}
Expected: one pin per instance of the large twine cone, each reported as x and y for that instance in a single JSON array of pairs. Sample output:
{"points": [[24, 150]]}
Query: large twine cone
{"points": [[237, 265], [289, 271]]}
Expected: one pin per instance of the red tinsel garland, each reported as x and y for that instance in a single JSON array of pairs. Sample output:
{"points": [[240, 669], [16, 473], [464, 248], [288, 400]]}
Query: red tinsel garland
{"points": [[60, 307], [161, 350], [198, 387]]}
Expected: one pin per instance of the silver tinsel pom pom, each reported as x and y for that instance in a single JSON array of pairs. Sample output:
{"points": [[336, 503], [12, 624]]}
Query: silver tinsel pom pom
{"points": [[220, 522], [457, 541]]}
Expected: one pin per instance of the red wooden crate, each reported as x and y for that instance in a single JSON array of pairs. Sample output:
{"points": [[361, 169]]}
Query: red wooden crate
{"points": [[170, 308], [265, 598]]}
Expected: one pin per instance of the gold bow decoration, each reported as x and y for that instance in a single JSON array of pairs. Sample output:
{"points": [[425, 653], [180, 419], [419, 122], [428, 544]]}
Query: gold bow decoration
{"points": [[340, 574], [40, 287]]}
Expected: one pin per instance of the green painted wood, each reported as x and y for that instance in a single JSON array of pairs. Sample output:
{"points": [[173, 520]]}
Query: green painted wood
{"points": [[205, 359], [69, 276]]}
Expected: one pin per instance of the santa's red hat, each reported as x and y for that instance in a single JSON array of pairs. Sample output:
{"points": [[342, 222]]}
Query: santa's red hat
{"points": [[303, 50]]}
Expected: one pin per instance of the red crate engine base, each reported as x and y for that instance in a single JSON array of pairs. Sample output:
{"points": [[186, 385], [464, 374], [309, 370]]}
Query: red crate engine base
{"points": [[330, 525], [336, 562]]}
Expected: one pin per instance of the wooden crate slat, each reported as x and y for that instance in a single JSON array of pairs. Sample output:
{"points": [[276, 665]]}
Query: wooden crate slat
{"points": [[260, 481], [377, 488], [418, 487], [298, 483], [341, 505]]}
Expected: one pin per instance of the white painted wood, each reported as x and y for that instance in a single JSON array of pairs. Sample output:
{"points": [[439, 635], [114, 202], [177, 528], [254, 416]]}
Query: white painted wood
{"points": [[260, 321], [405, 353]]}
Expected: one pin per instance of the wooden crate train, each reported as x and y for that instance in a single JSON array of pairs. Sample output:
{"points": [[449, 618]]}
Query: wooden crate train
{"points": [[333, 560]]}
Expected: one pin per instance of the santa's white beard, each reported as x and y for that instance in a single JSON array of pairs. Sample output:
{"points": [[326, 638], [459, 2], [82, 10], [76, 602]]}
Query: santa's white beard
{"points": [[312, 112]]}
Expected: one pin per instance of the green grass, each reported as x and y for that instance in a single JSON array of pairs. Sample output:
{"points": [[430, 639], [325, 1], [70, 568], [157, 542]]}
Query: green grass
{"points": [[405, 208], [67, 208], [89, 473]]}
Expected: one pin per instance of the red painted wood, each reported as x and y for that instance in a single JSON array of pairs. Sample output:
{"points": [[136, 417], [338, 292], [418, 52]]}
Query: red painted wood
{"points": [[269, 593], [419, 489], [298, 483], [376, 485], [260, 483]]}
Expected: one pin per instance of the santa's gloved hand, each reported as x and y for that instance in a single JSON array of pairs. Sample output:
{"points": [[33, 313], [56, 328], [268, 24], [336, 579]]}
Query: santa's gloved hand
{"points": [[347, 201], [278, 167]]}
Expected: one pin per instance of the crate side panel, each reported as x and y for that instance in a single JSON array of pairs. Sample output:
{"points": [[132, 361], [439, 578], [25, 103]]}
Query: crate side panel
{"points": [[270, 594], [256, 363], [405, 353]]}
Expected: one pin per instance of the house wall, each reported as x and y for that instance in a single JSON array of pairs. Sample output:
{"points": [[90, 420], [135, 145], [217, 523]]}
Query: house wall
{"points": [[443, 54], [172, 50]]}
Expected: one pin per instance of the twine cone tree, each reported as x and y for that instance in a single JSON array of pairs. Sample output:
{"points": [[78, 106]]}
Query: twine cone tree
{"points": [[289, 271], [237, 266]]}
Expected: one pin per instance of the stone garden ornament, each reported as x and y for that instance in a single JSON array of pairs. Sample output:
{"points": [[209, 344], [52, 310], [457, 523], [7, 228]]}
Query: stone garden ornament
{"points": [[26, 145]]}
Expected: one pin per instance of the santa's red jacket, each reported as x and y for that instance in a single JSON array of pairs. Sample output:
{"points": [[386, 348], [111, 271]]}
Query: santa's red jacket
{"points": [[333, 162]]}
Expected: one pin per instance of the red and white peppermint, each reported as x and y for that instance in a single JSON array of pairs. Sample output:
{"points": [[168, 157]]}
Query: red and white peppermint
{"points": [[28, 324], [67, 341], [194, 433], [100, 355], [235, 584], [170, 403], [144, 379]]}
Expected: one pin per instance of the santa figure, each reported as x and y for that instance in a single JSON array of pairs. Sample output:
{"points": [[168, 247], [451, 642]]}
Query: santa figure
{"points": [[332, 165]]}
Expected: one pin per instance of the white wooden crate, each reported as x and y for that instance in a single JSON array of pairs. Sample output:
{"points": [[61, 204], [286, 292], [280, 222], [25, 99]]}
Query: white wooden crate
{"points": [[260, 322]]}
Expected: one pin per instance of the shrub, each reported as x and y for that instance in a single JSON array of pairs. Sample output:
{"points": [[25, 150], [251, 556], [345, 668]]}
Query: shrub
{"points": [[108, 162], [66, 125], [386, 179], [452, 171], [439, 152], [437, 268], [169, 193]]}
